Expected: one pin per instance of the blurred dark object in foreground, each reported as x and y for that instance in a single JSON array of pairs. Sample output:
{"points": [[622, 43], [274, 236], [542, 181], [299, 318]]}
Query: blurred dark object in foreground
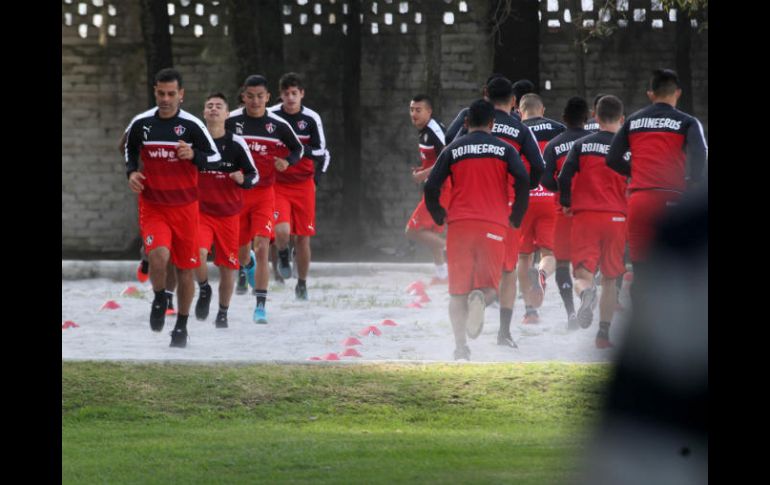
{"points": [[654, 429]]}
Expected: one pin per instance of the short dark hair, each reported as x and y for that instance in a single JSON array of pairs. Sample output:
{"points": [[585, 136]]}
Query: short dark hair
{"points": [[530, 102], [255, 80], [167, 75], [522, 87], [217, 94], [576, 112], [423, 98], [290, 80], [480, 113], [609, 109], [664, 82], [494, 75], [499, 90], [597, 98]]}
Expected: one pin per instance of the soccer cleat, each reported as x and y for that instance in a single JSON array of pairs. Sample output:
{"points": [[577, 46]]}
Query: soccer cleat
{"points": [[603, 339], [284, 266], [179, 338], [170, 309], [260, 316], [585, 314], [221, 321], [572, 323], [250, 271], [531, 317], [463, 352], [476, 306], [300, 292], [143, 271], [505, 339], [158, 313], [537, 291], [204, 302], [242, 287]]}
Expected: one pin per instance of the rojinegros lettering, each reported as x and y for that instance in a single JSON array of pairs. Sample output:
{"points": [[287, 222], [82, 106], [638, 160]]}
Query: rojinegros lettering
{"points": [[564, 147], [480, 149], [594, 147], [541, 127], [656, 123], [505, 130]]}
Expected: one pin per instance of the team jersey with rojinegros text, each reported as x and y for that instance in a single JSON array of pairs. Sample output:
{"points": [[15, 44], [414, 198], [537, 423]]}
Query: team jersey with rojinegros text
{"points": [[586, 183], [154, 141], [668, 149], [555, 154]]}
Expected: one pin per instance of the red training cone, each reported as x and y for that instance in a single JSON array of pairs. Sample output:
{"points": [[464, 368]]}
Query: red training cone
{"points": [[416, 288], [370, 329], [130, 291], [389, 323], [331, 356], [351, 352], [110, 305], [69, 324], [314, 358], [423, 298], [351, 341]]}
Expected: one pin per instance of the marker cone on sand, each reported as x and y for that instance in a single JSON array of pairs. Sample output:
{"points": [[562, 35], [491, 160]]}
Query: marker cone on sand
{"points": [[110, 305], [351, 352], [351, 341]]}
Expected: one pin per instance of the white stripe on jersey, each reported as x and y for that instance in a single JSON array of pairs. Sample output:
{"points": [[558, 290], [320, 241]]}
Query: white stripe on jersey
{"points": [[216, 157], [436, 128], [237, 112], [278, 118], [242, 143], [146, 114], [700, 127], [427, 147], [321, 150]]}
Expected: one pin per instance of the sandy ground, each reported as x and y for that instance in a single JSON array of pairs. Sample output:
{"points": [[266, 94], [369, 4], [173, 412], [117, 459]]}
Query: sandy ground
{"points": [[342, 303]]}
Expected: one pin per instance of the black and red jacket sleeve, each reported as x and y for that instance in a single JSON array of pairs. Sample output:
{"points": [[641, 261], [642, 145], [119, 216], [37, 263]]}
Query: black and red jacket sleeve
{"points": [[531, 151], [616, 158], [244, 161], [697, 151], [290, 139], [133, 148], [549, 176], [521, 186], [456, 128], [568, 171], [433, 184]]}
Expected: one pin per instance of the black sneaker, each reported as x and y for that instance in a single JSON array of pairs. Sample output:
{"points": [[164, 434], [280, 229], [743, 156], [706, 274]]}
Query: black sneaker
{"points": [[158, 313], [204, 301], [300, 292], [170, 305], [284, 267], [506, 340], [221, 321], [463, 353], [585, 314], [243, 285], [179, 338]]}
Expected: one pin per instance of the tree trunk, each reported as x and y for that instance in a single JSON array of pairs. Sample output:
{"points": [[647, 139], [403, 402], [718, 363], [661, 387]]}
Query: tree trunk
{"points": [[257, 36], [351, 112], [434, 24], [683, 68], [517, 43], [157, 41], [580, 70]]}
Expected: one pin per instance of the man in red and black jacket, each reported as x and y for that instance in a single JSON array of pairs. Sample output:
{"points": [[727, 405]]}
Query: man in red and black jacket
{"points": [[478, 217], [166, 139], [537, 228], [668, 154], [274, 147], [295, 188], [595, 197], [555, 154], [221, 200], [420, 227]]}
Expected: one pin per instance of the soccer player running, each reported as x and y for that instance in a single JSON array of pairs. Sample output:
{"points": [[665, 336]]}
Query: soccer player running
{"points": [[173, 146], [421, 227], [477, 217], [221, 200], [268, 137], [668, 155], [595, 197], [295, 187], [555, 154], [538, 225], [592, 125]]}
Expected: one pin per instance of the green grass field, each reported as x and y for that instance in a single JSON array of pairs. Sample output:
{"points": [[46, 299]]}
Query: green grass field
{"points": [[164, 423]]}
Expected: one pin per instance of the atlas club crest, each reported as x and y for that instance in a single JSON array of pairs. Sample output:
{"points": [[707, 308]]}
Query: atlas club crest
{"points": [[179, 130], [270, 127], [302, 124]]}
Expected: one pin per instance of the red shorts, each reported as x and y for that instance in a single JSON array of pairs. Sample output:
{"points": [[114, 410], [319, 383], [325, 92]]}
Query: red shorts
{"points": [[475, 252], [222, 232], [536, 229], [645, 208], [511, 249], [257, 216], [599, 238], [173, 227], [420, 220], [295, 204], [562, 237]]}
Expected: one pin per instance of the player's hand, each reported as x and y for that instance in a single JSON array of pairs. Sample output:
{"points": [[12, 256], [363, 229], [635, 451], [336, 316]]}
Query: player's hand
{"points": [[567, 211], [184, 151], [135, 182], [237, 177], [418, 175], [281, 164]]}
